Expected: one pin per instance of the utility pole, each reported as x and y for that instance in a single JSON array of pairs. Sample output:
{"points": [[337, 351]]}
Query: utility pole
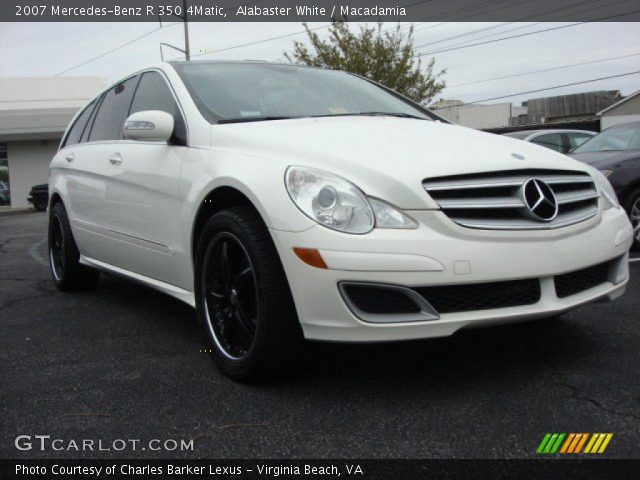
{"points": [[187, 51], [185, 22]]}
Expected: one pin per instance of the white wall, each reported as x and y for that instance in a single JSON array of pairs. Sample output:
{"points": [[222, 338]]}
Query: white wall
{"points": [[28, 166], [478, 116], [608, 120]]}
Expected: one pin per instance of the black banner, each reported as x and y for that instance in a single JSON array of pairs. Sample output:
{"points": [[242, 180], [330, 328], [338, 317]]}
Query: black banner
{"points": [[318, 10], [285, 469]]}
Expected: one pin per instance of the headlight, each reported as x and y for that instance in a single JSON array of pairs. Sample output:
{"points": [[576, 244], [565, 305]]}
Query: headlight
{"points": [[605, 189], [338, 204]]}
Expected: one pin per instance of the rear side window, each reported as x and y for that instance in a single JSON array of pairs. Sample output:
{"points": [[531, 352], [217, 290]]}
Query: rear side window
{"points": [[153, 93], [551, 140], [79, 125], [109, 120]]}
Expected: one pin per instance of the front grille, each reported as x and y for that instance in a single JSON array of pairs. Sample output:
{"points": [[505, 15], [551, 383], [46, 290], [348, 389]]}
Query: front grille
{"points": [[481, 296], [581, 280], [495, 200], [379, 300]]}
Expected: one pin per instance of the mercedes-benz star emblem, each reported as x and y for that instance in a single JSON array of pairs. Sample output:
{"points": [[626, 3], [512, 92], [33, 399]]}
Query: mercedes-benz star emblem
{"points": [[539, 199]]}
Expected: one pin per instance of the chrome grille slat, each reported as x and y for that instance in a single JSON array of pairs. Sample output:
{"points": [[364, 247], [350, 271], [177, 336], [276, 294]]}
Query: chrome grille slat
{"points": [[493, 201], [515, 181], [578, 196]]}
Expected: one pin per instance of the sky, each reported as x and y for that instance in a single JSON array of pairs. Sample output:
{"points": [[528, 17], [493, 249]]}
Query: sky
{"points": [[45, 49]]}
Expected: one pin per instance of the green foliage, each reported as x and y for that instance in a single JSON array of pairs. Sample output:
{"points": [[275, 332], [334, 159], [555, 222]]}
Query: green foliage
{"points": [[386, 57]]}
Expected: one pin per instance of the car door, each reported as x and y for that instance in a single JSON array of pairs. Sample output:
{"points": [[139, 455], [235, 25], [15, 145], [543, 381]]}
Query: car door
{"points": [[80, 163], [554, 141], [142, 197]]}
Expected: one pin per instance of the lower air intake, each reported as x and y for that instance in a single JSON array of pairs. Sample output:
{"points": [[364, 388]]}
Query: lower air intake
{"points": [[581, 280]]}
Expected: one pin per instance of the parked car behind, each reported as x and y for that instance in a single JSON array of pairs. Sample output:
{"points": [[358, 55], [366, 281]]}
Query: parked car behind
{"points": [[39, 197], [5, 193], [561, 141], [616, 153], [287, 203]]}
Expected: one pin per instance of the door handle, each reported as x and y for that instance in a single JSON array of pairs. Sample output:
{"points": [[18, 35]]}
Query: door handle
{"points": [[69, 157], [115, 159]]}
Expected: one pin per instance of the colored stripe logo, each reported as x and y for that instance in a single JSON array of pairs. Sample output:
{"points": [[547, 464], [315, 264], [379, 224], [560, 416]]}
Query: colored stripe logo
{"points": [[568, 443]]}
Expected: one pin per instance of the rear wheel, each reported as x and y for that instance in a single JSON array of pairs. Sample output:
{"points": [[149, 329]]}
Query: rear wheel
{"points": [[243, 298], [66, 270], [632, 206]]}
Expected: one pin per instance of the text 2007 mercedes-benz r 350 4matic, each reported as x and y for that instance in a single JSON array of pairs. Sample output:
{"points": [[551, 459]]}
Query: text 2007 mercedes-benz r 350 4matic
{"points": [[287, 203]]}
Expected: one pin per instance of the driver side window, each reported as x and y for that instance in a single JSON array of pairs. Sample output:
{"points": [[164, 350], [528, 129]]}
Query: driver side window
{"points": [[153, 93]]}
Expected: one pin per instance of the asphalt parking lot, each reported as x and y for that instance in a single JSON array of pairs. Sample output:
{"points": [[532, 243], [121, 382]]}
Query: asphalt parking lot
{"points": [[124, 362]]}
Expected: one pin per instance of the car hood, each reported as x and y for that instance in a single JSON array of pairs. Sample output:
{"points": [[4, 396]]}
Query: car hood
{"points": [[387, 157], [601, 160]]}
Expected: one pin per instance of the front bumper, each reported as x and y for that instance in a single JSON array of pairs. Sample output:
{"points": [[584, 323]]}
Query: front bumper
{"points": [[438, 253]]}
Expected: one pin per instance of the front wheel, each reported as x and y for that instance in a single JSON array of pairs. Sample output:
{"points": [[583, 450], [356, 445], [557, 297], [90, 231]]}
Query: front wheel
{"points": [[632, 206], [243, 298]]}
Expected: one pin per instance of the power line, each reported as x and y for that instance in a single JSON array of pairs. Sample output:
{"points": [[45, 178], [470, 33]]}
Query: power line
{"points": [[544, 89], [520, 27], [500, 39], [256, 42], [525, 34], [114, 49], [544, 70], [287, 35], [464, 34]]}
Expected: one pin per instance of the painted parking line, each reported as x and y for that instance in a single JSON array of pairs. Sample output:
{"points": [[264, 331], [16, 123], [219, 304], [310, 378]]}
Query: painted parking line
{"points": [[633, 260]]}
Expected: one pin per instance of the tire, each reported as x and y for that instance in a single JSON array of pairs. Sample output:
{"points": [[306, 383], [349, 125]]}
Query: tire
{"points": [[67, 272], [632, 207], [40, 206], [244, 302]]}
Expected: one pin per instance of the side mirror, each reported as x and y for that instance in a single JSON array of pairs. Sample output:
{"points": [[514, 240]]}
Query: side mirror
{"points": [[149, 125]]}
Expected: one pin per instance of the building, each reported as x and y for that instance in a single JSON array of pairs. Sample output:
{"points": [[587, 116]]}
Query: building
{"points": [[580, 111], [560, 111], [477, 116], [34, 113], [623, 111]]}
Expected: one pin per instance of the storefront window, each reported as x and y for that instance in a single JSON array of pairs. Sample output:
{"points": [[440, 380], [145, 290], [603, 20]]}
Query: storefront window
{"points": [[5, 192]]}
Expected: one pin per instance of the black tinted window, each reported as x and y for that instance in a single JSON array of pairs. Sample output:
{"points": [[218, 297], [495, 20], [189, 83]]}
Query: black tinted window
{"points": [[153, 94], [110, 117], [551, 140], [78, 127]]}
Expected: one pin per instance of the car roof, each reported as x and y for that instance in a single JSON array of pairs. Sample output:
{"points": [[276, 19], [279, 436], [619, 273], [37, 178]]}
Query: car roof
{"points": [[525, 134]]}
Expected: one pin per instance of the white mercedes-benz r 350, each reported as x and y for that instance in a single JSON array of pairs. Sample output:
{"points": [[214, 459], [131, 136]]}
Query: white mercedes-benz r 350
{"points": [[287, 203]]}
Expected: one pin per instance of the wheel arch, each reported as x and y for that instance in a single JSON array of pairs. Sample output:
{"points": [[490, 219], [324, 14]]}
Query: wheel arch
{"points": [[635, 184], [54, 199], [219, 198]]}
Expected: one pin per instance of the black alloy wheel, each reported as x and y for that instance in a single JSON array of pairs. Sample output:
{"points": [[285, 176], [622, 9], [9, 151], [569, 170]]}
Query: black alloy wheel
{"points": [[56, 248], [231, 296], [243, 299], [632, 207]]}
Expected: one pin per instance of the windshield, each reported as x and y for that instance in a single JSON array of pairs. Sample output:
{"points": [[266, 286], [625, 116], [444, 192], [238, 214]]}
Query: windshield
{"points": [[624, 137], [239, 92]]}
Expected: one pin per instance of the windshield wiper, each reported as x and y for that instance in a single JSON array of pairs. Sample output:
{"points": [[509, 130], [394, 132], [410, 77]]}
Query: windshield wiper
{"points": [[374, 114], [253, 119]]}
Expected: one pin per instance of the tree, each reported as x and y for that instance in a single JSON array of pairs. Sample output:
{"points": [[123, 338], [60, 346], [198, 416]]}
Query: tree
{"points": [[385, 56]]}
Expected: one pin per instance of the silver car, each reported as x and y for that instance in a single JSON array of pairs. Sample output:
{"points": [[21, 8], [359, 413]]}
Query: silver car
{"points": [[562, 141]]}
